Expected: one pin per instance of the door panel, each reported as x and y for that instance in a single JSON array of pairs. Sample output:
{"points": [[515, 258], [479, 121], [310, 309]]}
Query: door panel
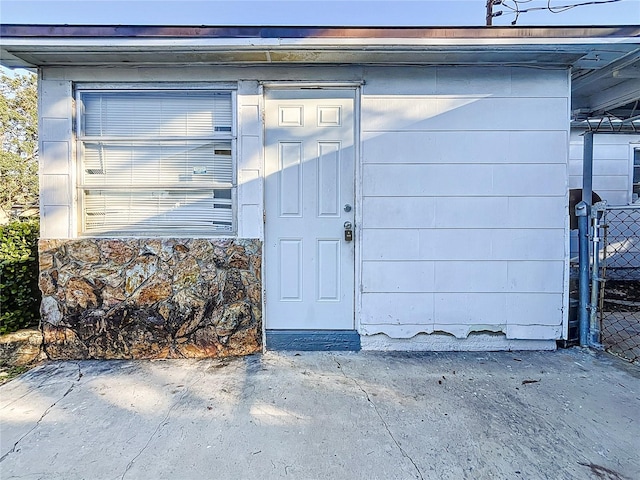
{"points": [[290, 176], [328, 179], [310, 164], [329, 278], [290, 273]]}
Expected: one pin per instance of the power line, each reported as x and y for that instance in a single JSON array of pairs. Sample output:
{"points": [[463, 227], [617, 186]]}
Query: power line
{"points": [[516, 10]]}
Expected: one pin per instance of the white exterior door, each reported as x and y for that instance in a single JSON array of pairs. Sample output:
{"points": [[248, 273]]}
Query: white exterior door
{"points": [[309, 195]]}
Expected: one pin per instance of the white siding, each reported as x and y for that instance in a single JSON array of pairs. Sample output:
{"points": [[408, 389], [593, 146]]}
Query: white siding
{"points": [[464, 176], [249, 161], [56, 146], [478, 244], [612, 162], [440, 113], [478, 147]]}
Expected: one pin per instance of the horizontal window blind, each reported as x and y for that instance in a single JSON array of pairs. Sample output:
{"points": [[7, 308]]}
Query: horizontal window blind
{"points": [[156, 162], [162, 211], [165, 163], [156, 114]]}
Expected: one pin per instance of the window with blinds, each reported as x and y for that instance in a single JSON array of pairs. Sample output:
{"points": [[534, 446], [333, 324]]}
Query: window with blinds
{"points": [[156, 162]]}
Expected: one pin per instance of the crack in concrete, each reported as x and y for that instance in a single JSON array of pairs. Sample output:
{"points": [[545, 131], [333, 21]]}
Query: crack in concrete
{"points": [[159, 426], [384, 423], [46, 412], [41, 476]]}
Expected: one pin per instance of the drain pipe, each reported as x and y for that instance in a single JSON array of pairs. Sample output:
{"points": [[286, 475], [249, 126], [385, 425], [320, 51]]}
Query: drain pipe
{"points": [[583, 272]]}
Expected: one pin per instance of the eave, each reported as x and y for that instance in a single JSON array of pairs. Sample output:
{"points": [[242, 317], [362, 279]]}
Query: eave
{"points": [[604, 61]]}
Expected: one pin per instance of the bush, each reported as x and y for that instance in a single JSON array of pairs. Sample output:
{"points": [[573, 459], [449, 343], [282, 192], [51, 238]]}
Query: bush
{"points": [[19, 292]]}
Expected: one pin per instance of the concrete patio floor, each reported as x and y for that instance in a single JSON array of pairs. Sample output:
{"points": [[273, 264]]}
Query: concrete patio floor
{"points": [[570, 414]]}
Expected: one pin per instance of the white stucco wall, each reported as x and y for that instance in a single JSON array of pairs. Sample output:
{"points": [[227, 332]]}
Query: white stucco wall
{"points": [[462, 208]]}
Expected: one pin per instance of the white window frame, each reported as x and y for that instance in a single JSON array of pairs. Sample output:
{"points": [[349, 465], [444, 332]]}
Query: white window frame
{"points": [[231, 137], [634, 149]]}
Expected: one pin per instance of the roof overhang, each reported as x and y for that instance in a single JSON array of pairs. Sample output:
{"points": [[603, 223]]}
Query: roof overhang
{"points": [[42, 45], [605, 61]]}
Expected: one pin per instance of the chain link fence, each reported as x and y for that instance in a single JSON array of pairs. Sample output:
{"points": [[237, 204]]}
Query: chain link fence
{"points": [[619, 295]]}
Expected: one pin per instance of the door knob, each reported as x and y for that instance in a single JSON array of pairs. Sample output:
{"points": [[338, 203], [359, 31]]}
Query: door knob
{"points": [[348, 232]]}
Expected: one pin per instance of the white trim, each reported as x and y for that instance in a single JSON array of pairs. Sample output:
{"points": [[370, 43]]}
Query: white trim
{"points": [[567, 231], [301, 85], [78, 203], [154, 86], [434, 342], [633, 146], [39, 109], [235, 119], [76, 221], [253, 43], [263, 283], [358, 175]]}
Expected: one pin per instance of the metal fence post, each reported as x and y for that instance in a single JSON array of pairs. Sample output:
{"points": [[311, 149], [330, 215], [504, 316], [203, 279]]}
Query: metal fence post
{"points": [[583, 271], [594, 326]]}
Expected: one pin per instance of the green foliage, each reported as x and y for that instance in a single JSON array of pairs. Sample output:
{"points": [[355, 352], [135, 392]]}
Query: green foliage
{"points": [[19, 292], [9, 372], [19, 136]]}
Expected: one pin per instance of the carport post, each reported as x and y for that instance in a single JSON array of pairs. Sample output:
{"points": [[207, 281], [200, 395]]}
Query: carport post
{"points": [[583, 272], [583, 210], [587, 170]]}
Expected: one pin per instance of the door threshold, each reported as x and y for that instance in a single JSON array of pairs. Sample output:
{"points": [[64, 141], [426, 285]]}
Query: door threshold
{"points": [[313, 340]]}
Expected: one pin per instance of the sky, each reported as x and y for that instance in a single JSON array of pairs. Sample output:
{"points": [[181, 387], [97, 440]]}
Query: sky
{"points": [[311, 12]]}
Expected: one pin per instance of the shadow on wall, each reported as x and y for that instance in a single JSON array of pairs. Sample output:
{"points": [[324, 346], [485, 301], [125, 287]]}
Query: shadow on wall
{"points": [[575, 197]]}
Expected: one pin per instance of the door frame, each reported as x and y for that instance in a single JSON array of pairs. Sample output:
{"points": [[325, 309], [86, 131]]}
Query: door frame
{"points": [[324, 339]]}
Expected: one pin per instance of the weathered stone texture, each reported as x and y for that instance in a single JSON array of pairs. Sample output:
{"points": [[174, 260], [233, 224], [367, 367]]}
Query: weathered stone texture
{"points": [[150, 298], [20, 348]]}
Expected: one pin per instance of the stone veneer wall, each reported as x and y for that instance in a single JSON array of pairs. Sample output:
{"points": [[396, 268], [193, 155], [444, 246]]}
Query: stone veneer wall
{"points": [[150, 298]]}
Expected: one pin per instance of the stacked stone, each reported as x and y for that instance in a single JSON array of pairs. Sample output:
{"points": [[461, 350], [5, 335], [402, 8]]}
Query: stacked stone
{"points": [[150, 298]]}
